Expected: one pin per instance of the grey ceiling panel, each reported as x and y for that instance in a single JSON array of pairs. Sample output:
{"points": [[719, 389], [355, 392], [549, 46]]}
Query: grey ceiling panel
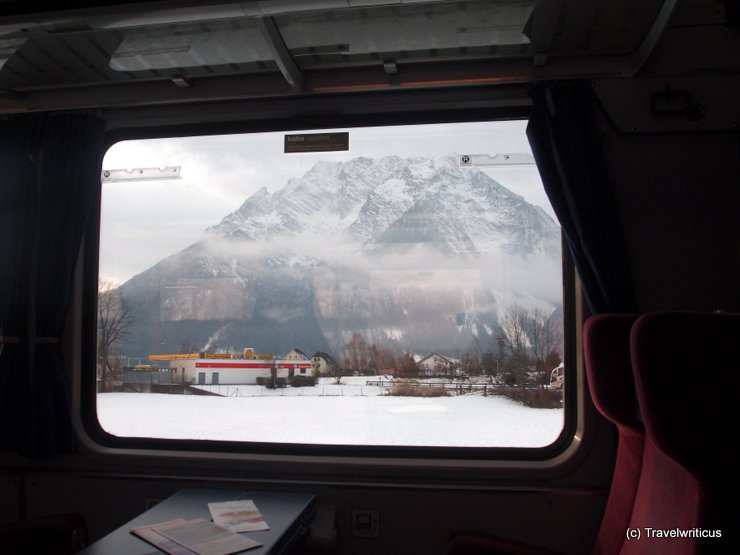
{"points": [[332, 45], [210, 43]]}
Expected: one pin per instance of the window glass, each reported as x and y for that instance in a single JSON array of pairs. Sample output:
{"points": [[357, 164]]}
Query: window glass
{"points": [[385, 286]]}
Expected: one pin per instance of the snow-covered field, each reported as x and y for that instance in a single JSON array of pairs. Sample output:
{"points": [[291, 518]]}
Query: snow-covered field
{"points": [[350, 413]]}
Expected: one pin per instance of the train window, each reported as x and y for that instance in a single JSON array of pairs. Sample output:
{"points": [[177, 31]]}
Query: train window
{"points": [[373, 286]]}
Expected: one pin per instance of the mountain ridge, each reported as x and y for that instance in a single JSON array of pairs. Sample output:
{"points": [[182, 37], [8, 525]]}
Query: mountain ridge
{"points": [[307, 266]]}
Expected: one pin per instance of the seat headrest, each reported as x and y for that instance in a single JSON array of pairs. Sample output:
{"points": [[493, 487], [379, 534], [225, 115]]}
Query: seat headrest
{"points": [[685, 365], [606, 345]]}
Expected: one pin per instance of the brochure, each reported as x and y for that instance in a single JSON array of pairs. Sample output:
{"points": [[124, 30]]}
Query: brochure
{"points": [[147, 534], [197, 535], [238, 516]]}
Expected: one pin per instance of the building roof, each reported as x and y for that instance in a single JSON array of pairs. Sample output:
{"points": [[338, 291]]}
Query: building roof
{"points": [[444, 358], [326, 356]]}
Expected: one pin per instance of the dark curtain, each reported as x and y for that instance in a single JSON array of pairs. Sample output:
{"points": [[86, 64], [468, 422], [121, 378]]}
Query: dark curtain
{"points": [[19, 139], [50, 174], [566, 147]]}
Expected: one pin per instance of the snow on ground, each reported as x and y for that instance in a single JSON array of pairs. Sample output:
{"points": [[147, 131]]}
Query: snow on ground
{"points": [[350, 413]]}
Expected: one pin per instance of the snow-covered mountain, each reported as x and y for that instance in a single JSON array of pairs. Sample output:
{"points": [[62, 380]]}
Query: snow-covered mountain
{"points": [[392, 200], [413, 253]]}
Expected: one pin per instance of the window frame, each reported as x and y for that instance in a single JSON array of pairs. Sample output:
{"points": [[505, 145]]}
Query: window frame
{"points": [[428, 462]]}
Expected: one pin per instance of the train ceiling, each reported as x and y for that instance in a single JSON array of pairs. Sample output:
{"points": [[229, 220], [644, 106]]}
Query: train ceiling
{"points": [[98, 54]]}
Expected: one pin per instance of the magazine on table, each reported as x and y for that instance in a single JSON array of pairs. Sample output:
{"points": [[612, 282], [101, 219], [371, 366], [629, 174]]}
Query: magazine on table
{"points": [[198, 536], [148, 534]]}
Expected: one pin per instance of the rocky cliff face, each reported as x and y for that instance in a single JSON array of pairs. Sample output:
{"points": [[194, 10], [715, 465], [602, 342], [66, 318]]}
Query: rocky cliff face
{"points": [[415, 254]]}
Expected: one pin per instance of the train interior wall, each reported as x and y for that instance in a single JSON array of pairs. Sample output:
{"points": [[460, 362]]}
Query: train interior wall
{"points": [[676, 190], [411, 521], [677, 196]]}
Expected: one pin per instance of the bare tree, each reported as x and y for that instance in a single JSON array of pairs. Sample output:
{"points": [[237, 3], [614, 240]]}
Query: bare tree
{"points": [[471, 360], [382, 358], [514, 324], [356, 353], [114, 322], [407, 366], [546, 337]]}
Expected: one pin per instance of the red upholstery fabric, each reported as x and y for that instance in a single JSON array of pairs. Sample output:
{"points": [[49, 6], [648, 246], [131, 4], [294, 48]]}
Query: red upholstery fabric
{"points": [[606, 343], [668, 498], [609, 370], [685, 365]]}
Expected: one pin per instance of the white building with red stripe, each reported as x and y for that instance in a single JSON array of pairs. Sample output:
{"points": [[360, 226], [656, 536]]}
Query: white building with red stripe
{"points": [[230, 369]]}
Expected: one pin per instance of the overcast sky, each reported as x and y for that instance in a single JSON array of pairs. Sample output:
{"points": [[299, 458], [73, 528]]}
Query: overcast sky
{"points": [[145, 221]]}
